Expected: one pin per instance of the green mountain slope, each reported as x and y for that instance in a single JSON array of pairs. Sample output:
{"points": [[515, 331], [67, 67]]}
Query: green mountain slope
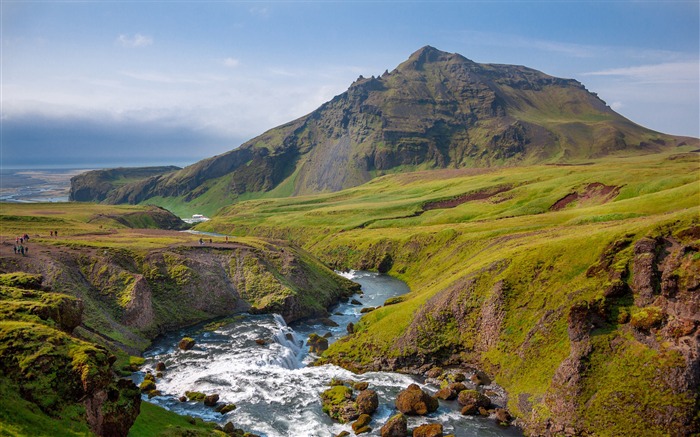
{"points": [[575, 287], [436, 110]]}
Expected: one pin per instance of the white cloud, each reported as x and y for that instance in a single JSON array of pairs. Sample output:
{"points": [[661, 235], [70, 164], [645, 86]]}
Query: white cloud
{"points": [[136, 40], [259, 11], [616, 106], [670, 73], [231, 62]]}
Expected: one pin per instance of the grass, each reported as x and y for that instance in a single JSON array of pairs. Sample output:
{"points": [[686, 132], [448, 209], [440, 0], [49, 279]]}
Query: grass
{"points": [[157, 421], [454, 260], [459, 254]]}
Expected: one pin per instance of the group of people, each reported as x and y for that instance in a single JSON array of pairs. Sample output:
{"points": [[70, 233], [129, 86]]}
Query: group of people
{"points": [[20, 245]]}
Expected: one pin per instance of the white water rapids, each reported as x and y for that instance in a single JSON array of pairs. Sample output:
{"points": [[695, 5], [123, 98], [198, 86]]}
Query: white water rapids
{"points": [[276, 394]]}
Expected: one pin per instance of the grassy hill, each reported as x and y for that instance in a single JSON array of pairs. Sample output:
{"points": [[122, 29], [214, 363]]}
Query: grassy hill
{"points": [[96, 283], [575, 286], [436, 110]]}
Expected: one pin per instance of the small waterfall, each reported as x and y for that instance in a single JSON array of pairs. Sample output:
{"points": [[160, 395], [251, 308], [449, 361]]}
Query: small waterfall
{"points": [[259, 363], [291, 350]]}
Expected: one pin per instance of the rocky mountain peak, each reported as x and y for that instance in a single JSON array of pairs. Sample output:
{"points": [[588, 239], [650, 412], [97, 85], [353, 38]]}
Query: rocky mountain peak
{"points": [[435, 110]]}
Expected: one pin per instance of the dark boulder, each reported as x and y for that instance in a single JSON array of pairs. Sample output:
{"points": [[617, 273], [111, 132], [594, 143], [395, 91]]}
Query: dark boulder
{"points": [[367, 401]]}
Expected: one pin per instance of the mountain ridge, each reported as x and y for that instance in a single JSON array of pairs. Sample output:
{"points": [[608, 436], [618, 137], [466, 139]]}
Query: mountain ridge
{"points": [[434, 110]]}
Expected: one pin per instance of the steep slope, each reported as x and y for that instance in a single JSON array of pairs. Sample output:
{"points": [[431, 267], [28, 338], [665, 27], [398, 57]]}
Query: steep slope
{"points": [[93, 186], [435, 110]]}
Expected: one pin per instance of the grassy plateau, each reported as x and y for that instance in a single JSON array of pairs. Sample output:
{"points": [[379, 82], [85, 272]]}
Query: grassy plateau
{"points": [[534, 274]]}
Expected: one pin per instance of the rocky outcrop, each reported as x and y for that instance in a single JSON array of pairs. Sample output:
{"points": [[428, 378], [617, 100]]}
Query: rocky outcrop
{"points": [[94, 185], [53, 370], [140, 294], [317, 344]]}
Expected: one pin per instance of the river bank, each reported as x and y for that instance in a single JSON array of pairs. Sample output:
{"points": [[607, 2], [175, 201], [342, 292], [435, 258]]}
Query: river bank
{"points": [[263, 366]]}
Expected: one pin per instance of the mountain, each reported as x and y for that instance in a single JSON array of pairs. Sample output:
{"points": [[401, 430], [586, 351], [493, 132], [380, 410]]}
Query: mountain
{"points": [[435, 110], [95, 184]]}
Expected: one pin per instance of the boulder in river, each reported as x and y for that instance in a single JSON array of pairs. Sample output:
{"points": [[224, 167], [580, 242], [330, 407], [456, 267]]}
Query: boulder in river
{"points": [[186, 343], [414, 401], [211, 400], [339, 404], [160, 366], [195, 396], [317, 344], [396, 426], [361, 425], [367, 401], [473, 402], [428, 430]]}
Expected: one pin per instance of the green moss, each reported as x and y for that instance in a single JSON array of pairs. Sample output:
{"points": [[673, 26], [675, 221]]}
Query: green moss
{"points": [[20, 417], [195, 396], [333, 398], [627, 382], [21, 280], [147, 385], [647, 318]]}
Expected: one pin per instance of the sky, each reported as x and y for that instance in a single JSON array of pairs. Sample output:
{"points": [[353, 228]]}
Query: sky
{"points": [[112, 83]]}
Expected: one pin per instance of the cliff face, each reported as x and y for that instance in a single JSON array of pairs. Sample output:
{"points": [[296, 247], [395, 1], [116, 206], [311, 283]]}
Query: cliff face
{"points": [[136, 295], [93, 186], [435, 110], [53, 370], [114, 301]]}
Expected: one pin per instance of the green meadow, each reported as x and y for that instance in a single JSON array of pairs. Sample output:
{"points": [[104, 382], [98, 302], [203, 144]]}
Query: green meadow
{"points": [[511, 237], [496, 259]]}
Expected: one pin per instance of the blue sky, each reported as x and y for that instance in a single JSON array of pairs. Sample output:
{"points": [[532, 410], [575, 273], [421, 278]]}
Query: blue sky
{"points": [[171, 82]]}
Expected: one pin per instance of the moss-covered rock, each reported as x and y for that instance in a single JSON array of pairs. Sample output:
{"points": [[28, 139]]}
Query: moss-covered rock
{"points": [[186, 343], [647, 318], [396, 426], [339, 404], [414, 401], [317, 344], [195, 396]]}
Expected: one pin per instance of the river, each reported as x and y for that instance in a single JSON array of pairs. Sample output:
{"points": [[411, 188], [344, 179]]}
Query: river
{"points": [[276, 393]]}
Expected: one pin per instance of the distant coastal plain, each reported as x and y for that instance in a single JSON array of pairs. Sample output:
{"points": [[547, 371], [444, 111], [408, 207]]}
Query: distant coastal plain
{"points": [[36, 185]]}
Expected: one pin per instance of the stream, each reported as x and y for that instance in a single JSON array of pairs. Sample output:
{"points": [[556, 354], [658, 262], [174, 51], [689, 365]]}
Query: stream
{"points": [[276, 393]]}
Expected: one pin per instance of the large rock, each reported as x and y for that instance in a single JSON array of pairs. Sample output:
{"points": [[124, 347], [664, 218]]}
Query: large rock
{"points": [[317, 344], [211, 400], [472, 401], [414, 401], [186, 343], [367, 401], [362, 424], [397, 426], [428, 430], [339, 404]]}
